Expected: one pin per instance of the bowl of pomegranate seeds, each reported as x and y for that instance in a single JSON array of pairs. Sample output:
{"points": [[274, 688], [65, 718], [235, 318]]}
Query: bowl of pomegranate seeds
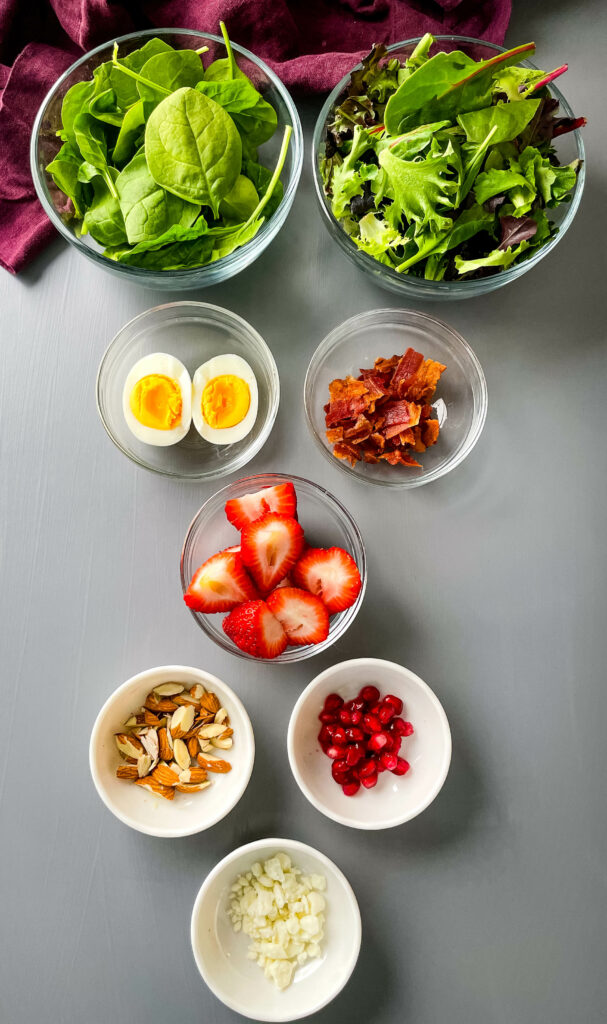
{"points": [[395, 397], [369, 743], [273, 567]]}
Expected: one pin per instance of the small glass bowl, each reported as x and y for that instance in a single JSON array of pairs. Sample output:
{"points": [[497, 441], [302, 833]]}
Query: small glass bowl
{"points": [[192, 332], [568, 146], [460, 400], [326, 523], [45, 145]]}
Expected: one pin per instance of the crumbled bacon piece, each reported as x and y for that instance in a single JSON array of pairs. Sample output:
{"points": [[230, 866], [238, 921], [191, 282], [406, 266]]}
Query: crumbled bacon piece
{"points": [[385, 413]]}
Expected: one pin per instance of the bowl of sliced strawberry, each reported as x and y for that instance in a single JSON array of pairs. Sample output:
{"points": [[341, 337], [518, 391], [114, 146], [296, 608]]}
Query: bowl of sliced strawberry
{"points": [[273, 567]]}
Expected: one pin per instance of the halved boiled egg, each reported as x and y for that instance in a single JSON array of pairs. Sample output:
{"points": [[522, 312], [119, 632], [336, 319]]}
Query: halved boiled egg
{"points": [[224, 399], [157, 399]]}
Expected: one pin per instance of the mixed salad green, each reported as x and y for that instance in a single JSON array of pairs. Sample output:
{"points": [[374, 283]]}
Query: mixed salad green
{"points": [[159, 157], [443, 167]]}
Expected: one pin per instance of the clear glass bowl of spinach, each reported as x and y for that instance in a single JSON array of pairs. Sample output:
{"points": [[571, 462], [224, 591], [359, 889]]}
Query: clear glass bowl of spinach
{"points": [[110, 121], [354, 108]]}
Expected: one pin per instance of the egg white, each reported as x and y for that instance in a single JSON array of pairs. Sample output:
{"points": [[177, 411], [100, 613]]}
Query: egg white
{"points": [[168, 366], [217, 367]]}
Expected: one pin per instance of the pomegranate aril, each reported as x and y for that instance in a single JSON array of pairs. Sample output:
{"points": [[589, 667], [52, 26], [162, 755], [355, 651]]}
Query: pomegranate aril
{"points": [[334, 752], [349, 706], [388, 760], [327, 717], [325, 735], [396, 702], [386, 714], [409, 730], [355, 735], [378, 741], [400, 725], [333, 702], [369, 694], [369, 781], [371, 724], [355, 754], [339, 736], [380, 767], [345, 716], [396, 742], [356, 717], [340, 766], [367, 767], [402, 767], [374, 709], [351, 788]]}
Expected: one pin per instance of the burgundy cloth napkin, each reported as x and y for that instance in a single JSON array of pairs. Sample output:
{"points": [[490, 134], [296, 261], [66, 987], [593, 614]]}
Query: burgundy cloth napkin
{"points": [[311, 44]]}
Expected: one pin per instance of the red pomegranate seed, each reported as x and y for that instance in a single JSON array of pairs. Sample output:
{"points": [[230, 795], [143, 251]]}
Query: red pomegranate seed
{"points": [[325, 735], [349, 705], [373, 709], [333, 702], [340, 766], [357, 717], [399, 724], [369, 781], [355, 735], [345, 716], [402, 767], [334, 752], [389, 760], [351, 788], [378, 741], [339, 736], [386, 714], [355, 754], [327, 717], [369, 694], [396, 743], [367, 767], [396, 702], [409, 730], [371, 724]]}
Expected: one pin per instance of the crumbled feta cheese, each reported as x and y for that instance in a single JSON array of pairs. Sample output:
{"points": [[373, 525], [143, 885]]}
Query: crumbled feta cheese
{"points": [[282, 912]]}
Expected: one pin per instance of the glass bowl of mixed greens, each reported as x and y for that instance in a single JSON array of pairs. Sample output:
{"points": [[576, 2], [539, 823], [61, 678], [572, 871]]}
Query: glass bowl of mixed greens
{"points": [[446, 167], [169, 157]]}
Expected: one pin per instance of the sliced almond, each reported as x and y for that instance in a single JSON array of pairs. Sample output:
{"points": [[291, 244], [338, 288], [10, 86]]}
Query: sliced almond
{"points": [[169, 689], [186, 699], [155, 703], [144, 765], [150, 742], [191, 787], [127, 771], [193, 775], [192, 745], [221, 716], [182, 721], [197, 691], [152, 720], [207, 732], [204, 745], [135, 720], [223, 744], [165, 750], [210, 702], [168, 792], [129, 746], [226, 733], [166, 775], [214, 764], [181, 754]]}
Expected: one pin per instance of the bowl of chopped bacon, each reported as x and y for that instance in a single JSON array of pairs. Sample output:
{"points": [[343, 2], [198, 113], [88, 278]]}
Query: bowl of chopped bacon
{"points": [[395, 397]]}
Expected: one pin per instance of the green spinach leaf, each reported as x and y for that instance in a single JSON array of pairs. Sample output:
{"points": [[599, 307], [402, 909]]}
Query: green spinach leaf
{"points": [[148, 210], [103, 219], [509, 119]]}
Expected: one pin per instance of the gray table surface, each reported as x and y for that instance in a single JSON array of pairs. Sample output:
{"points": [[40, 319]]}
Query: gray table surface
{"points": [[490, 907]]}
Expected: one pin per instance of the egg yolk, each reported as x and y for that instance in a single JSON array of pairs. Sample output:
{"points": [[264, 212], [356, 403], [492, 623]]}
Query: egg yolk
{"points": [[155, 402], [225, 401]]}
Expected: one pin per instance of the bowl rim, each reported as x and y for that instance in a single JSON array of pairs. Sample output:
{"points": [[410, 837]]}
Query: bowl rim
{"points": [[449, 289], [255, 480], [366, 318], [248, 453], [140, 679], [235, 261], [373, 664], [289, 846]]}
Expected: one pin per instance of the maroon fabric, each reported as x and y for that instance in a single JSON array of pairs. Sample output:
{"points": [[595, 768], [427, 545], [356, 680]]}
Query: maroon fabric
{"points": [[311, 44]]}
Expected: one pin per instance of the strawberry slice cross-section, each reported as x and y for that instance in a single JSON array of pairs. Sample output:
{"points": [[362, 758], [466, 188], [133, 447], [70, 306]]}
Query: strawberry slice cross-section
{"points": [[270, 547], [281, 499], [220, 584], [255, 630], [302, 615], [331, 574]]}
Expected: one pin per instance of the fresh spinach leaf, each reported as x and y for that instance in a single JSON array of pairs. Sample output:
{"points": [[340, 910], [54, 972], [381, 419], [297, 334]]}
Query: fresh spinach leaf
{"points": [[103, 219], [176, 69], [240, 201], [509, 119], [92, 143], [64, 170], [261, 178], [75, 102], [148, 210], [131, 131]]}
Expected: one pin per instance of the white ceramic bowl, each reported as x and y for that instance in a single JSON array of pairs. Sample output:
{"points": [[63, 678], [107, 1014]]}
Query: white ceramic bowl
{"points": [[394, 799], [221, 954], [186, 814]]}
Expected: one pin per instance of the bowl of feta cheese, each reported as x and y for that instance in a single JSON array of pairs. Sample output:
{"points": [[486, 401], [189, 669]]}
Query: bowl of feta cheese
{"points": [[276, 930]]}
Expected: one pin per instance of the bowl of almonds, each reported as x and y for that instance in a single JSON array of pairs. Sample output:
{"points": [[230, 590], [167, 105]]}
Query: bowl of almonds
{"points": [[172, 751]]}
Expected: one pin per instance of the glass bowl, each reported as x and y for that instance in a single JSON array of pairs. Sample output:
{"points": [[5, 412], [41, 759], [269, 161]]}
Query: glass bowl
{"points": [[568, 146], [45, 145], [192, 332], [326, 523], [460, 400]]}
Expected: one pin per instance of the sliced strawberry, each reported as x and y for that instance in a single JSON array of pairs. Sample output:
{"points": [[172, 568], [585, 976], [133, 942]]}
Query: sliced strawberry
{"points": [[270, 547], [254, 629], [281, 498], [220, 584], [331, 574], [302, 615]]}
